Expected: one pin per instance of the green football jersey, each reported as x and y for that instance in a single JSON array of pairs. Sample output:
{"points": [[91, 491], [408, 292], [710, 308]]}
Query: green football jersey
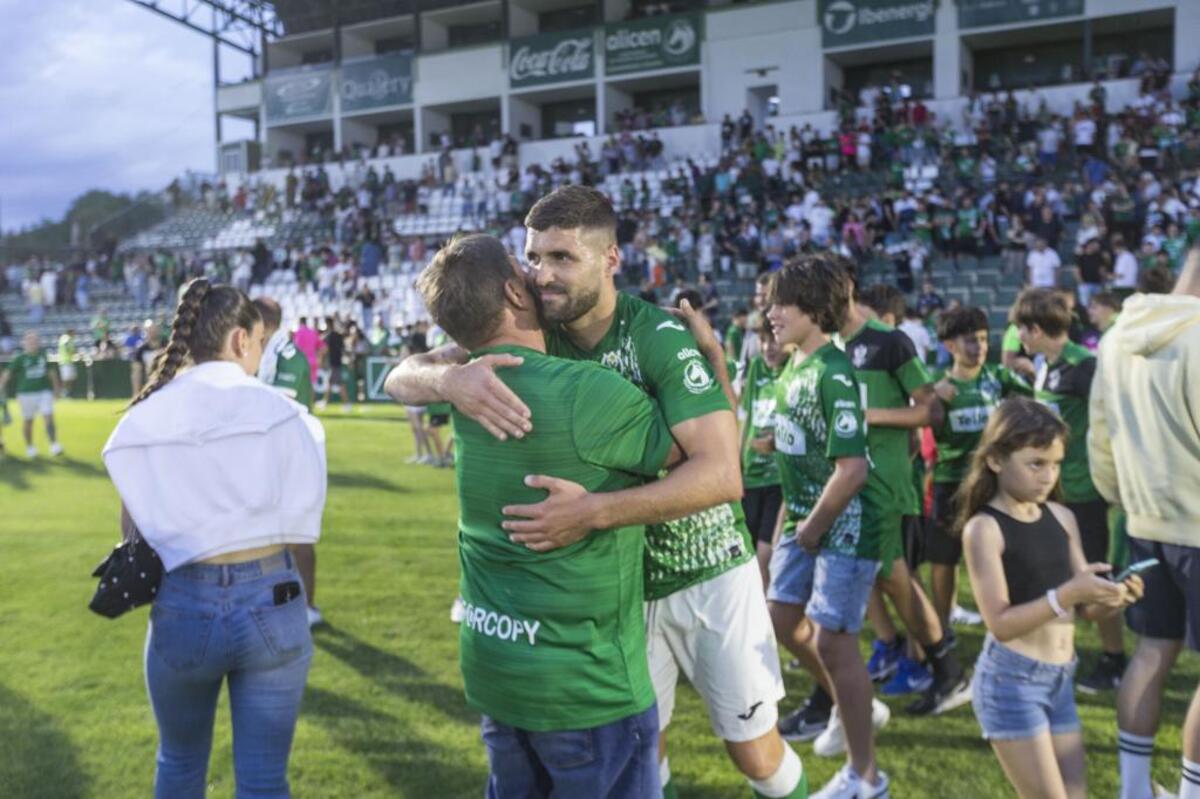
{"points": [[1064, 386], [889, 371], [29, 374], [655, 352], [556, 640], [818, 419], [757, 412], [293, 376], [966, 416]]}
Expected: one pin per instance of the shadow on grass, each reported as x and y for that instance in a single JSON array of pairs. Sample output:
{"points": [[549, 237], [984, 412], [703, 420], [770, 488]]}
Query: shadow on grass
{"points": [[391, 748], [364, 480], [16, 473], [36, 758], [394, 673]]}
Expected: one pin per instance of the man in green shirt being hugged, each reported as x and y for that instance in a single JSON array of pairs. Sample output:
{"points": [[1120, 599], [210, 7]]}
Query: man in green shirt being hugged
{"points": [[552, 644], [36, 387]]}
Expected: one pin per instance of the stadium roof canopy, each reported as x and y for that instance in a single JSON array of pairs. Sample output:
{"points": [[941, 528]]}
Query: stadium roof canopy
{"points": [[243, 24]]}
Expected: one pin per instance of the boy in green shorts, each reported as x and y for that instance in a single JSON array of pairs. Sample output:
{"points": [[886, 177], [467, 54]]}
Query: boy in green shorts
{"points": [[970, 389], [826, 558], [1064, 382], [36, 386]]}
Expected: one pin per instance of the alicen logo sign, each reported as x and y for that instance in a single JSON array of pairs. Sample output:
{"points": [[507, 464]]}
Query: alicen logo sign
{"points": [[551, 58], [377, 82], [846, 22], [652, 43]]}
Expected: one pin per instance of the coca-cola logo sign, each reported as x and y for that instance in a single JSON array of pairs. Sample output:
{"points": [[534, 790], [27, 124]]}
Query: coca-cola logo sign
{"points": [[544, 60]]}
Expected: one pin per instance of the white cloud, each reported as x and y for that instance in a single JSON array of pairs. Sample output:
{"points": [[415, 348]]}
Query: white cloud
{"points": [[97, 94]]}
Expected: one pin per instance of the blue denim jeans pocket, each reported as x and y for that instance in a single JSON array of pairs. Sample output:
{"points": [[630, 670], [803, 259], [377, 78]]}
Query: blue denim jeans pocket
{"points": [[284, 628], [180, 635]]}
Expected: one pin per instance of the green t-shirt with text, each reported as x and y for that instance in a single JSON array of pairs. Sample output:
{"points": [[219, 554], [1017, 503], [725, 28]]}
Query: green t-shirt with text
{"points": [[889, 371], [1064, 386], [29, 374], [556, 640], [293, 375], [654, 351], [818, 419], [966, 416], [757, 414]]}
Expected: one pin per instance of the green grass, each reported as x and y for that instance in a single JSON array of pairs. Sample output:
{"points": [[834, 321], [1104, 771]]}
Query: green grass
{"points": [[383, 715]]}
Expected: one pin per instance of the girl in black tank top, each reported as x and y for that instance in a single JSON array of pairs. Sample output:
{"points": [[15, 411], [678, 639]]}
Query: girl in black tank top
{"points": [[1029, 577]]}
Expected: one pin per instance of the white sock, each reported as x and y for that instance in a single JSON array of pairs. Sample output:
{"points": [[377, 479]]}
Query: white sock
{"points": [[664, 772], [1189, 785], [785, 779], [1134, 754]]}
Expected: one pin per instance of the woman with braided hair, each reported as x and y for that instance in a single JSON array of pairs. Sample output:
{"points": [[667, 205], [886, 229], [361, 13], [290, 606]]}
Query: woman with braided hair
{"points": [[219, 473]]}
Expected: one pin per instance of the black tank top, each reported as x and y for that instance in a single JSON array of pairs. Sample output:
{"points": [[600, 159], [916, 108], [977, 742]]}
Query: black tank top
{"points": [[1037, 555]]}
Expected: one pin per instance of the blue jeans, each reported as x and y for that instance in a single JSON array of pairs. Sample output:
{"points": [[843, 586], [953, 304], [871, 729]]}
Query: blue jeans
{"points": [[1018, 697], [617, 760], [833, 588], [213, 622]]}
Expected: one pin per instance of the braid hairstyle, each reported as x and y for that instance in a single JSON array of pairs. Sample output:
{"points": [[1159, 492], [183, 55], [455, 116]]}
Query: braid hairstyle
{"points": [[203, 319]]}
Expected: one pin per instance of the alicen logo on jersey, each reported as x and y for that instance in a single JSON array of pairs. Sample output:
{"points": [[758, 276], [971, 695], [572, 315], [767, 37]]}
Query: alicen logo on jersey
{"points": [[845, 425], [696, 378], [1052, 380], [859, 356]]}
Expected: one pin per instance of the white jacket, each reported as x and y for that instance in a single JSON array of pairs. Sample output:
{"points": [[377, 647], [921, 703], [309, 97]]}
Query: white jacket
{"points": [[1144, 431], [216, 462]]}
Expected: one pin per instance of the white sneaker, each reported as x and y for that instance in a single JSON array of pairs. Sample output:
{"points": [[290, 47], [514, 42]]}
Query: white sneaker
{"points": [[969, 618], [848, 785], [832, 742], [56, 448], [347, 408], [31, 452], [413, 459], [322, 405], [458, 611], [315, 617], [427, 460]]}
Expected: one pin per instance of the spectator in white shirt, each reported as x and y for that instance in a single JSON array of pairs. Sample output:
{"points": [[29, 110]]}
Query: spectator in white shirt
{"points": [[1125, 267], [1043, 264]]}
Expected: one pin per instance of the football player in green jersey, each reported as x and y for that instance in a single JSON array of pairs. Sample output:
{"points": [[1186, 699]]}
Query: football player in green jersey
{"points": [[1064, 382], [551, 644], [826, 556], [760, 472], [898, 398], [286, 368], [970, 390], [36, 386], [707, 616]]}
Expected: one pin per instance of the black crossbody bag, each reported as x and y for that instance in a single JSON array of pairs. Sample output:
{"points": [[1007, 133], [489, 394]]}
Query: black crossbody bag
{"points": [[129, 576]]}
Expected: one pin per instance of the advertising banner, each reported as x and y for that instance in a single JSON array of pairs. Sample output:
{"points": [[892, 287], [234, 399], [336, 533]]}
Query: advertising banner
{"points": [[653, 43], [299, 94], [551, 58], [845, 22], [981, 13], [376, 82]]}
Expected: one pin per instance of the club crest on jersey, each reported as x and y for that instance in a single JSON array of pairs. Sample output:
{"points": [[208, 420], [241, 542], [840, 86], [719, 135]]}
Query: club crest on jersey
{"points": [[696, 378], [859, 356], [1052, 380], [844, 424]]}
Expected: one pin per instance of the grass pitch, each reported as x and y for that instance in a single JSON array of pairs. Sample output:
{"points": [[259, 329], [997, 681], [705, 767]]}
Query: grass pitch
{"points": [[384, 713]]}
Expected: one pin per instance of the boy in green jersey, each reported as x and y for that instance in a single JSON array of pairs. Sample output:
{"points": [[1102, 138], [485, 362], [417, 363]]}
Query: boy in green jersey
{"points": [[36, 386], [970, 390], [760, 471], [825, 559], [552, 645], [706, 614], [285, 368], [1064, 382], [66, 361], [898, 398]]}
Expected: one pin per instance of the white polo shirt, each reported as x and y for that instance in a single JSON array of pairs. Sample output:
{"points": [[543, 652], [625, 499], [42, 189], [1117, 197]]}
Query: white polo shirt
{"points": [[1043, 268]]}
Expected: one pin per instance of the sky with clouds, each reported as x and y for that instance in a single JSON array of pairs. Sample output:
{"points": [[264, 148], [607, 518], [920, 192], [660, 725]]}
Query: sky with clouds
{"points": [[98, 94]]}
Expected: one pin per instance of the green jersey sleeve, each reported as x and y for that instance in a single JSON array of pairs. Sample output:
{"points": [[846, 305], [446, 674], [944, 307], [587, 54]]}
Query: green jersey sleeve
{"points": [[678, 376], [616, 426], [910, 372], [1012, 384], [843, 413]]}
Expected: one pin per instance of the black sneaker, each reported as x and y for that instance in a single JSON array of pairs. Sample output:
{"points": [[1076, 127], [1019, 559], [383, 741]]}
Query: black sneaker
{"points": [[944, 695], [804, 724], [1106, 676]]}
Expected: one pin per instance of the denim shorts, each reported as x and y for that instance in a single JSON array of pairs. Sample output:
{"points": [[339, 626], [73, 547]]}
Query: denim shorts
{"points": [[1015, 696], [834, 588]]}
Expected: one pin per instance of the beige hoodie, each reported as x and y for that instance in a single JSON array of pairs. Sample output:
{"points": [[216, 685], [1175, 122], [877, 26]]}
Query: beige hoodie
{"points": [[1144, 433]]}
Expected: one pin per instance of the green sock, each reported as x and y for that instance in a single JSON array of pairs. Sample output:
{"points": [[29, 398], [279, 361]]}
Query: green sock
{"points": [[669, 791], [799, 792]]}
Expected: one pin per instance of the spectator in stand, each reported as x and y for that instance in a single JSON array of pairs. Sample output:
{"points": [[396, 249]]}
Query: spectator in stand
{"points": [[1043, 264], [1125, 268], [1091, 271]]}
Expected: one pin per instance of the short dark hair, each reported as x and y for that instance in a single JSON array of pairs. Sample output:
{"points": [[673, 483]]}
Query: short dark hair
{"points": [[1046, 308], [961, 322], [1156, 280], [817, 285], [570, 207], [883, 299], [741, 312], [271, 313], [692, 296], [463, 287], [1108, 299]]}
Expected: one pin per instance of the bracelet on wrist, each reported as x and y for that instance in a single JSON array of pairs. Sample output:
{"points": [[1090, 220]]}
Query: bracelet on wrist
{"points": [[1055, 605]]}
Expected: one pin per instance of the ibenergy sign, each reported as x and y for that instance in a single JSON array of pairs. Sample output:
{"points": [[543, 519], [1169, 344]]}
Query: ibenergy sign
{"points": [[845, 22]]}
